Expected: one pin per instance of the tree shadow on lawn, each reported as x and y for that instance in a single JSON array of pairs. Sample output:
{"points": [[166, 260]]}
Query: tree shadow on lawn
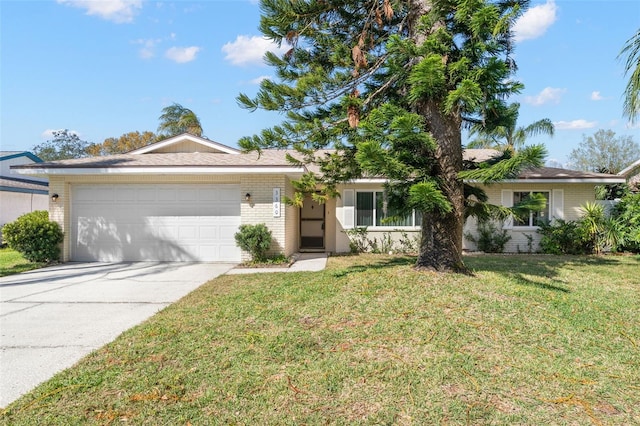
{"points": [[372, 262], [535, 270], [540, 271]]}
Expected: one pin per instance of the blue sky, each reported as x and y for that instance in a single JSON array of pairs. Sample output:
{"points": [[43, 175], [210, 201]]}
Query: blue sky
{"points": [[105, 68]]}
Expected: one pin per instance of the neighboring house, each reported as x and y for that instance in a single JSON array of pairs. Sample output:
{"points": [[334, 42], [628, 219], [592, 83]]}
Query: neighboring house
{"points": [[183, 199], [632, 175], [20, 195]]}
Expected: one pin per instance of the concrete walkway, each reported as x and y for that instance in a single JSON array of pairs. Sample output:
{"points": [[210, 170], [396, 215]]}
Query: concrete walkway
{"points": [[50, 318], [312, 262]]}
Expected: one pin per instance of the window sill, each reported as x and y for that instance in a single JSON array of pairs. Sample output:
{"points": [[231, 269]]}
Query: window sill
{"points": [[391, 228], [523, 228]]}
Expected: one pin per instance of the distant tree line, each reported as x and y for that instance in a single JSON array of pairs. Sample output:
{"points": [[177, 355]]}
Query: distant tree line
{"points": [[174, 120]]}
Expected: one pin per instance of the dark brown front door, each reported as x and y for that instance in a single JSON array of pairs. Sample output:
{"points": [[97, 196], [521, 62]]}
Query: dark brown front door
{"points": [[311, 224]]}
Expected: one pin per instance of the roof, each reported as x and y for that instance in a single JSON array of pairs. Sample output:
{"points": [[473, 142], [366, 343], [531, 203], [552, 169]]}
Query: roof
{"points": [[269, 161], [548, 174], [219, 159], [23, 185], [628, 171], [7, 155]]}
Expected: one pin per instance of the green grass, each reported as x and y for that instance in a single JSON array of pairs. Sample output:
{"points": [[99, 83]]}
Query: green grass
{"points": [[529, 340], [12, 262]]}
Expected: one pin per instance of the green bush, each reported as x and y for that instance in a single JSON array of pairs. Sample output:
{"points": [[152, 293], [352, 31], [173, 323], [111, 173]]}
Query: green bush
{"points": [[34, 236], [564, 237], [256, 239], [490, 239], [594, 232], [627, 212]]}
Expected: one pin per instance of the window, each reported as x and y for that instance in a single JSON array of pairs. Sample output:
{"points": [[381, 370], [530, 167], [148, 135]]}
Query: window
{"points": [[532, 218], [371, 210]]}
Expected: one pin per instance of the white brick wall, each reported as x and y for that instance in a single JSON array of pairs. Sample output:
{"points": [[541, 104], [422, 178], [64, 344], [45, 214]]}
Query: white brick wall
{"points": [[260, 208]]}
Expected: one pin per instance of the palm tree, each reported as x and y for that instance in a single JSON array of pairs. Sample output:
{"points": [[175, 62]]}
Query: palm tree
{"points": [[631, 105], [508, 137], [176, 119]]}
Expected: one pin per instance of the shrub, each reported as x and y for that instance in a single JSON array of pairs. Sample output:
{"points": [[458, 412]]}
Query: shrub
{"points": [[627, 212], [256, 239], [490, 239], [564, 237], [34, 236], [593, 232]]}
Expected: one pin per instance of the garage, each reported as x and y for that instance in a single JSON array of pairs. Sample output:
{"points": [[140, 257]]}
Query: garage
{"points": [[155, 222]]}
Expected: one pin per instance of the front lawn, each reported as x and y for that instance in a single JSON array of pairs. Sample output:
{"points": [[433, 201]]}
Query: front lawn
{"points": [[528, 340], [12, 262]]}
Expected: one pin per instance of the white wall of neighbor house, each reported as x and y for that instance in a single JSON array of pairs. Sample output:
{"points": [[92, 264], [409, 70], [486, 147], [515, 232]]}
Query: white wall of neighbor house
{"points": [[5, 168], [15, 204]]}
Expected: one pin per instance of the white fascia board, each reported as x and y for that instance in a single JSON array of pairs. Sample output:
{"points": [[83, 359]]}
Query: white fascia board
{"points": [[369, 180], [582, 180], [164, 171], [177, 139], [626, 170]]}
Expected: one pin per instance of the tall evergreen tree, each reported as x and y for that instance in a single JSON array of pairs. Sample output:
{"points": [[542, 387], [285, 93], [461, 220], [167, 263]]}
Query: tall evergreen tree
{"points": [[389, 84]]}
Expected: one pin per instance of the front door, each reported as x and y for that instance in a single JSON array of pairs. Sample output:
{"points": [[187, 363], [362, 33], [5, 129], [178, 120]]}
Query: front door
{"points": [[311, 225]]}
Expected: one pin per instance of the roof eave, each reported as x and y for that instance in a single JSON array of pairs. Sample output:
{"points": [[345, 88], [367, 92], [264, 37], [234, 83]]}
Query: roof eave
{"points": [[607, 181], [185, 170]]}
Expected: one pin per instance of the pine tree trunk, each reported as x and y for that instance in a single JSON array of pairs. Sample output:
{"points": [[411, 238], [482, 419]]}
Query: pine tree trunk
{"points": [[441, 246]]}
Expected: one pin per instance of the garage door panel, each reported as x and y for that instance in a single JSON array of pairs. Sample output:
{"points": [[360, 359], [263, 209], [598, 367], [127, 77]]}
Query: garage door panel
{"points": [[155, 222], [127, 195]]}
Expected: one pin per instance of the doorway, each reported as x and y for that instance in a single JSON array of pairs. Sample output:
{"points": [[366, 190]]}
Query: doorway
{"points": [[312, 225]]}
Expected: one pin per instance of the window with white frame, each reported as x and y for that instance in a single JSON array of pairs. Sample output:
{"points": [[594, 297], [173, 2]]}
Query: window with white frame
{"points": [[532, 218], [372, 209]]}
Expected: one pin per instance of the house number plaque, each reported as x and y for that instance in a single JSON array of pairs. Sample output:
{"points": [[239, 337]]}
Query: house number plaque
{"points": [[276, 202]]}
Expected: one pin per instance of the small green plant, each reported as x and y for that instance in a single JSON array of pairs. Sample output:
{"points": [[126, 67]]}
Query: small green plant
{"points": [[490, 239], [408, 244], [34, 236], [357, 239], [256, 239], [601, 230]]}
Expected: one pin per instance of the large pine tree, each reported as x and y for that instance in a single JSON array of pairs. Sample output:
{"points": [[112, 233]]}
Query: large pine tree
{"points": [[389, 84]]}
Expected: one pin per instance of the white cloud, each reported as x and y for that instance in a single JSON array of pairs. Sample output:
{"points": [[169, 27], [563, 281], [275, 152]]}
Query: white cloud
{"points": [[247, 50], [535, 21], [547, 95], [575, 124], [258, 80], [182, 54], [147, 50], [596, 96], [119, 11]]}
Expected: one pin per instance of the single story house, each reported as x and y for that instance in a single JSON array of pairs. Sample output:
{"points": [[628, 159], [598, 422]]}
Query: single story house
{"points": [[183, 199], [19, 194], [632, 175]]}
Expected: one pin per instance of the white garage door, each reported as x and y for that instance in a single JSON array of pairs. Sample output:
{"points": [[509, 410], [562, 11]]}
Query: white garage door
{"points": [[131, 222]]}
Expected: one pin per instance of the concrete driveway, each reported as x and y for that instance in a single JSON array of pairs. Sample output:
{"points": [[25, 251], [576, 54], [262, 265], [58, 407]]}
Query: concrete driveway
{"points": [[52, 317]]}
